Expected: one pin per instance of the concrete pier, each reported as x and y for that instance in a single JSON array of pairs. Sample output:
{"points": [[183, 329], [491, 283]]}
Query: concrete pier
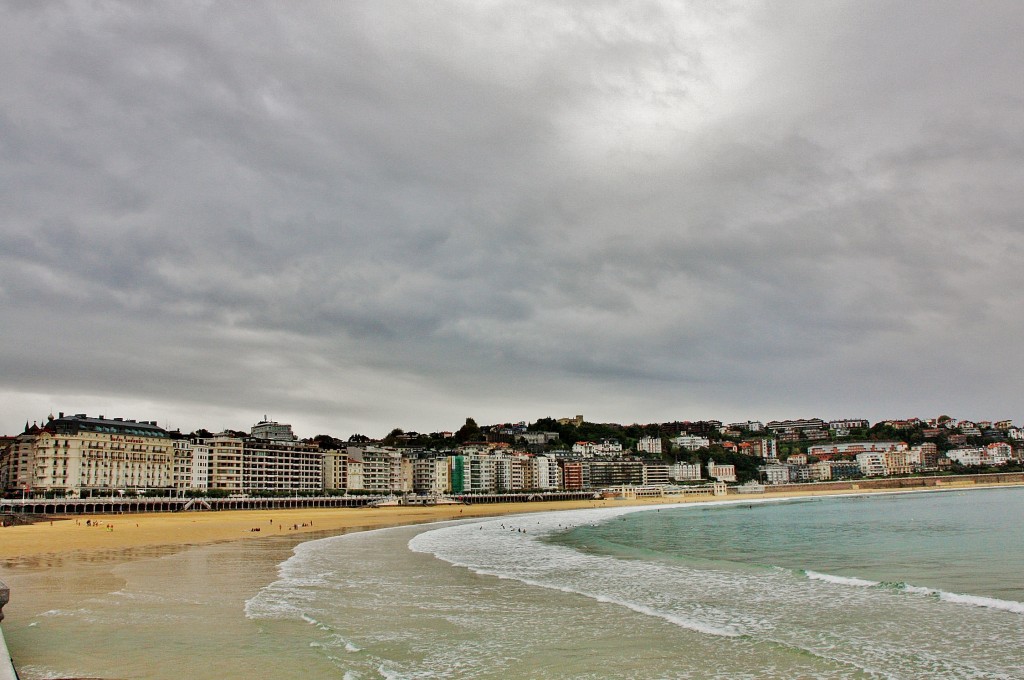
{"points": [[7, 671]]}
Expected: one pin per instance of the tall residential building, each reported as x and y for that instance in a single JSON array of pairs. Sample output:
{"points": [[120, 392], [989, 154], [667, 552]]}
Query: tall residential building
{"points": [[376, 469], [545, 474], [656, 474], [765, 447], [281, 465], [430, 475], [574, 476], [191, 465], [472, 472], [607, 473], [16, 461], [225, 461], [335, 473]]}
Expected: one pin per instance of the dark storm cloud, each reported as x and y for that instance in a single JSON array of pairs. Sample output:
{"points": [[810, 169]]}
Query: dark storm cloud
{"points": [[362, 215]]}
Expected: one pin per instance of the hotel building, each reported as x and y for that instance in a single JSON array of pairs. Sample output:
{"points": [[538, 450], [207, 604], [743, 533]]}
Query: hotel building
{"points": [[77, 456]]}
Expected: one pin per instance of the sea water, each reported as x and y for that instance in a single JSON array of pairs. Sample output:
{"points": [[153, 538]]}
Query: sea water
{"points": [[918, 585]]}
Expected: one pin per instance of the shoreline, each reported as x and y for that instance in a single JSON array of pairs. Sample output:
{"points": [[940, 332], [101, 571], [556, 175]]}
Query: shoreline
{"points": [[37, 545]]}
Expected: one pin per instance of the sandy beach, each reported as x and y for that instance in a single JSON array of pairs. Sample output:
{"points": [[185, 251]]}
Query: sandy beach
{"points": [[22, 545]]}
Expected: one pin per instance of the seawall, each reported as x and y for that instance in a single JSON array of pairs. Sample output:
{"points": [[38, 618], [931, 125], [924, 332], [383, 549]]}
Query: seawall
{"points": [[6, 665]]}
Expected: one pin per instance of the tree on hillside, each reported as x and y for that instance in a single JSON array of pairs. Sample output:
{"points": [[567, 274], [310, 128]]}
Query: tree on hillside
{"points": [[326, 441], [468, 432]]}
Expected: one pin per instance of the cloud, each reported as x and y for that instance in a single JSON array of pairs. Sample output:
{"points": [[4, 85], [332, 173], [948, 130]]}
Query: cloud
{"points": [[363, 216]]}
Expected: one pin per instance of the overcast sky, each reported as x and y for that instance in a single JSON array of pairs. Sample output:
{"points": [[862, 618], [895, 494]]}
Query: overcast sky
{"points": [[354, 216]]}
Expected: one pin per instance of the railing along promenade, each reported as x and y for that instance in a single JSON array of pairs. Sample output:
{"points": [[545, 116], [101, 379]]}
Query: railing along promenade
{"points": [[110, 506]]}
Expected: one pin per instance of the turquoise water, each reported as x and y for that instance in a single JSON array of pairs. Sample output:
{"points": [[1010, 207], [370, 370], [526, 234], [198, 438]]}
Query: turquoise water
{"points": [[902, 586], [957, 542]]}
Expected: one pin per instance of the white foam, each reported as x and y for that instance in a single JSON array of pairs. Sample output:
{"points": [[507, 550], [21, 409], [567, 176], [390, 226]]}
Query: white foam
{"points": [[974, 600], [955, 598], [841, 580], [498, 548]]}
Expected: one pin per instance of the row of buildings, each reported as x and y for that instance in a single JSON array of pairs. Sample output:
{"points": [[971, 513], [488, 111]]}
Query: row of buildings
{"points": [[79, 456], [881, 459]]}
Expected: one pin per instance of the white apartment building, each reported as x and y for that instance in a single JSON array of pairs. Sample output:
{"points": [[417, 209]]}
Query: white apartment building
{"points": [[872, 463], [273, 430], [685, 472], [775, 474], [853, 448], [998, 453], [847, 425], [649, 445], [502, 466], [381, 469], [749, 426], [545, 473], [191, 465], [691, 442], [607, 447]]}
